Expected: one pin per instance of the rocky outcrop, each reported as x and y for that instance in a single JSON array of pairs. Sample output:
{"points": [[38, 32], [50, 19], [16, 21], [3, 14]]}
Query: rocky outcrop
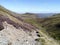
{"points": [[12, 36]]}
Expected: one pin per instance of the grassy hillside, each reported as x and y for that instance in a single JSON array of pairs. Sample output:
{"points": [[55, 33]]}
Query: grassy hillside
{"points": [[47, 28], [15, 18], [52, 25], [27, 17]]}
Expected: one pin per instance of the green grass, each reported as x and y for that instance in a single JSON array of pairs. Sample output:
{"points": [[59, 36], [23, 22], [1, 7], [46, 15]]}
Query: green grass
{"points": [[49, 24], [33, 22]]}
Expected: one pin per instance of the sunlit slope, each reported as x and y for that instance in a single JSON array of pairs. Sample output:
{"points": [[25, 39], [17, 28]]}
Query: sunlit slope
{"points": [[15, 30], [52, 25], [45, 38], [8, 14]]}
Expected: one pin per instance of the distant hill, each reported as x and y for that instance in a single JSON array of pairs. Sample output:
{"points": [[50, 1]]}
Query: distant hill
{"points": [[40, 15], [44, 15]]}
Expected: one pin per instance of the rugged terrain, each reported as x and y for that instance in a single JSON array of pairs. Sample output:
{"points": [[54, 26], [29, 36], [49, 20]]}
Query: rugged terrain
{"points": [[14, 31], [19, 30]]}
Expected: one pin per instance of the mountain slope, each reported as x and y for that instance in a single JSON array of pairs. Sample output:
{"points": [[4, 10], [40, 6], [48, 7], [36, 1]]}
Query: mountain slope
{"points": [[45, 38], [14, 30], [52, 25]]}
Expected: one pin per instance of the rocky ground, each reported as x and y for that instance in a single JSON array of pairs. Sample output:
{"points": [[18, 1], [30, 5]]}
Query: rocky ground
{"points": [[12, 36]]}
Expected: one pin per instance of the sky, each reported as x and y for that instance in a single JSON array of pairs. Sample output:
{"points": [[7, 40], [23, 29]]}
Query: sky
{"points": [[32, 6]]}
